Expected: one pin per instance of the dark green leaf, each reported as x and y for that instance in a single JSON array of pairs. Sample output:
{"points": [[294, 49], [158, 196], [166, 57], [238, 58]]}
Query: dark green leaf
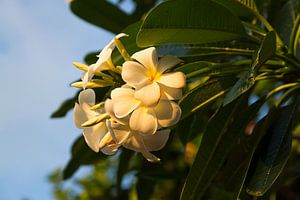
{"points": [[189, 22], [65, 107], [241, 8], [101, 13], [81, 155], [241, 86], [145, 188], [266, 50], [273, 155], [203, 95], [223, 130]]}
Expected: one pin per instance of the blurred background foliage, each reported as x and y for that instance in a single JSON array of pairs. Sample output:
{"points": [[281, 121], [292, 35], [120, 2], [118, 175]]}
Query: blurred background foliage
{"points": [[247, 145]]}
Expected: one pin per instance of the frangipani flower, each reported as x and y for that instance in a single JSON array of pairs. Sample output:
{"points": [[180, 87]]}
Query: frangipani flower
{"points": [[97, 136], [144, 119], [135, 141], [104, 61], [150, 78]]}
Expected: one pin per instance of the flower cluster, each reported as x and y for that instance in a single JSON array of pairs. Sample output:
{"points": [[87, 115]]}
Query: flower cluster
{"points": [[138, 115]]}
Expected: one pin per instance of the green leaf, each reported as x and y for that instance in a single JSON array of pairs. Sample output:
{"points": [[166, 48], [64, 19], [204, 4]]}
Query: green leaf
{"points": [[189, 22], [295, 36], [241, 86], [223, 130], [274, 154], [65, 107], [241, 8], [101, 13], [266, 50], [203, 95], [145, 188], [81, 155]]}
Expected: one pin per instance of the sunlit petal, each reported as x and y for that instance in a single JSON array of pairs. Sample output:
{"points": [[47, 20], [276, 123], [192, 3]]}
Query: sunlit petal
{"points": [[108, 106], [169, 93], [123, 106], [87, 96], [143, 120], [157, 141], [167, 112], [123, 91], [134, 74], [149, 94], [110, 149], [147, 58], [167, 62], [119, 133], [94, 134], [79, 116], [174, 79]]}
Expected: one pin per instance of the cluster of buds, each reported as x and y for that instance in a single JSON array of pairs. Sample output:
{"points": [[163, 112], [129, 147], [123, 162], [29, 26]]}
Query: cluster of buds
{"points": [[138, 115]]}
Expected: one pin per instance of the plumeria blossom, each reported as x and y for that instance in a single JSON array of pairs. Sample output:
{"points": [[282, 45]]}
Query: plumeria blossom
{"points": [[97, 136], [150, 77], [142, 118], [135, 141], [104, 61]]}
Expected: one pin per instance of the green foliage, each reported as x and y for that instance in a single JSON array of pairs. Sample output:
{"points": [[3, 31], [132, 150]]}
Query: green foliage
{"points": [[190, 22], [223, 146]]}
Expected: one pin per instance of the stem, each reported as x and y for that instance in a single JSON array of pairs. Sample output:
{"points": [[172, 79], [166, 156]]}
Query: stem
{"points": [[295, 37], [268, 27]]}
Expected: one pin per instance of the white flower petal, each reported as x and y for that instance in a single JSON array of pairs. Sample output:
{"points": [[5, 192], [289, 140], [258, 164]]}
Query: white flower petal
{"points": [[167, 112], [143, 120], [105, 140], [87, 96], [147, 57], [94, 134], [149, 94], [157, 141], [110, 149], [150, 157], [79, 116], [134, 74], [119, 133], [87, 76], [134, 142], [173, 79], [168, 62], [123, 91], [169, 93], [123, 106], [108, 106]]}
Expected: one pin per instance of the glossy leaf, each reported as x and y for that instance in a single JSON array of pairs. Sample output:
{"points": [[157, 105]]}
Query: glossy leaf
{"points": [[101, 13], [274, 154], [189, 22], [81, 155], [223, 130], [241, 8], [203, 95], [266, 50], [123, 165]]}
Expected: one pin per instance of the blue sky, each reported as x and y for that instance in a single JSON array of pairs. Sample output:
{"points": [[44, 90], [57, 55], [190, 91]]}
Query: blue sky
{"points": [[38, 42]]}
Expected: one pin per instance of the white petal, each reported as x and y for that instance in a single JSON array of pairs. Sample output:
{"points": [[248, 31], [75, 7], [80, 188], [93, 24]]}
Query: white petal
{"points": [[134, 74], [108, 106], [147, 57], [94, 134], [110, 149], [134, 142], [157, 141], [173, 79], [79, 116], [167, 112], [169, 93], [87, 76], [104, 56], [119, 133], [87, 96], [149, 94], [105, 140], [150, 157], [123, 91], [123, 106], [168, 62], [143, 120]]}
